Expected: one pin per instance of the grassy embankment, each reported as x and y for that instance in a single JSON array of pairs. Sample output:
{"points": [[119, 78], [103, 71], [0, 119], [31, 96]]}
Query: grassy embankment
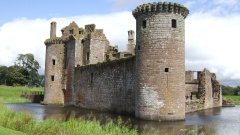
{"points": [[12, 122], [10, 94], [236, 99]]}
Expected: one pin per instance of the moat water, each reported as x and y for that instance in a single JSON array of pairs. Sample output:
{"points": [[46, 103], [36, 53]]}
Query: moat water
{"points": [[220, 120]]}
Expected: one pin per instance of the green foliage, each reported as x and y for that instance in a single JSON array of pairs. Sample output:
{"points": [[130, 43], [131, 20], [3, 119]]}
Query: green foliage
{"points": [[228, 90], [3, 72], [23, 72], [16, 76], [9, 94], [235, 99], [28, 62]]}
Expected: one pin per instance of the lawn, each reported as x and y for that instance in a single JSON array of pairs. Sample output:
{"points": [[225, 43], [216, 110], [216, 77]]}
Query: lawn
{"points": [[236, 99], [9, 94]]}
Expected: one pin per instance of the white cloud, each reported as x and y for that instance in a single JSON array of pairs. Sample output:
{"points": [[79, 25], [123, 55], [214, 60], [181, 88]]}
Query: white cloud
{"points": [[213, 42], [28, 36], [226, 2]]}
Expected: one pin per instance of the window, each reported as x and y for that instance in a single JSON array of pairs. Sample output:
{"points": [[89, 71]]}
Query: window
{"points": [[71, 31], [53, 62], [80, 32], [174, 23], [166, 69], [139, 48], [87, 55], [91, 80], [144, 24], [52, 77]]}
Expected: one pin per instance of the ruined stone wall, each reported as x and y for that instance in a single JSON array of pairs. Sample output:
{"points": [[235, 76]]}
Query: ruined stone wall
{"points": [[207, 89], [160, 61], [106, 86], [98, 47], [54, 63], [79, 51]]}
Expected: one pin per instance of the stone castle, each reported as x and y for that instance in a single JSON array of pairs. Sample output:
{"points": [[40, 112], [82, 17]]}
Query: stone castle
{"points": [[148, 80]]}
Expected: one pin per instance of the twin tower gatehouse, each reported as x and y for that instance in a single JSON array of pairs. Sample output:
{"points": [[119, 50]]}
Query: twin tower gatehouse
{"points": [[148, 80]]}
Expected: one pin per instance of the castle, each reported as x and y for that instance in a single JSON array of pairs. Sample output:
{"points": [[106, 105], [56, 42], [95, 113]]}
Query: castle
{"points": [[148, 80]]}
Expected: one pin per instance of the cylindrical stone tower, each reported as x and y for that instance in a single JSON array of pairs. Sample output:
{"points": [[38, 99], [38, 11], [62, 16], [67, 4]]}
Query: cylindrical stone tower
{"points": [[160, 61], [54, 64]]}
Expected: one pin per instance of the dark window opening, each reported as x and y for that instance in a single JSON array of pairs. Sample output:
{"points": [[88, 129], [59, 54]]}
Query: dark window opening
{"points": [[144, 24], [87, 55], [174, 23], [80, 32], [52, 77], [166, 69], [53, 62], [91, 78], [139, 48], [71, 31]]}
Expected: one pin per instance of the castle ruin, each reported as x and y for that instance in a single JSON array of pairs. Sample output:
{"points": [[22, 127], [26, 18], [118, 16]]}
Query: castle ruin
{"points": [[148, 80]]}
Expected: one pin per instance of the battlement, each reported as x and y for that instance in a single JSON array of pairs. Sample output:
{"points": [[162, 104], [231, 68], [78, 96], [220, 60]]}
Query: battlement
{"points": [[161, 7], [56, 40]]}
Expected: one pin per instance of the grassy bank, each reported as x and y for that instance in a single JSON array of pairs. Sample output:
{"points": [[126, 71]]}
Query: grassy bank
{"points": [[11, 122], [9, 94], [236, 99], [25, 123]]}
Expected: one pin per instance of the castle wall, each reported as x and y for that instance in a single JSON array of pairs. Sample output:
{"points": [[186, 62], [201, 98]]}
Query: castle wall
{"points": [[106, 86]]}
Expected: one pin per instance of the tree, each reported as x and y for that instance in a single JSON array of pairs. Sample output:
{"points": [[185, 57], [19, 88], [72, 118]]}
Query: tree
{"points": [[28, 62], [16, 76], [3, 72]]}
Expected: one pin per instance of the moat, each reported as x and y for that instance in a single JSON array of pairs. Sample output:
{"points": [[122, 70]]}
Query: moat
{"points": [[219, 120]]}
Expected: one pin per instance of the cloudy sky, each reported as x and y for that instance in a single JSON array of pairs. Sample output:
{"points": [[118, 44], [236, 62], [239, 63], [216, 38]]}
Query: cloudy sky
{"points": [[212, 29]]}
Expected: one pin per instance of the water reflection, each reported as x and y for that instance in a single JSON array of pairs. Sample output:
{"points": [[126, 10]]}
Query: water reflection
{"points": [[219, 120]]}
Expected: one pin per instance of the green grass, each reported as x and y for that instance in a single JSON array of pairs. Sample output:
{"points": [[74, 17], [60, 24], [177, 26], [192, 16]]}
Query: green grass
{"points": [[25, 123], [236, 99], [9, 94], [7, 131]]}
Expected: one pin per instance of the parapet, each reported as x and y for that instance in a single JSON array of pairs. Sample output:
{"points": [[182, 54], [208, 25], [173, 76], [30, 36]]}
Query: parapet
{"points": [[161, 7], [57, 40]]}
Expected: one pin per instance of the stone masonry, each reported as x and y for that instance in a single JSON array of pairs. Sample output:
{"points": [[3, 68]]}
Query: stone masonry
{"points": [[148, 80]]}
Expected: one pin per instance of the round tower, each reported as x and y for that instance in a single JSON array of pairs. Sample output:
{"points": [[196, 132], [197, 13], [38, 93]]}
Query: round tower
{"points": [[54, 64], [160, 61]]}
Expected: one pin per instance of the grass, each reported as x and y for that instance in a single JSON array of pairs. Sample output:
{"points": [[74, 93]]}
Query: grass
{"points": [[9, 94], [236, 99], [7, 131], [25, 123]]}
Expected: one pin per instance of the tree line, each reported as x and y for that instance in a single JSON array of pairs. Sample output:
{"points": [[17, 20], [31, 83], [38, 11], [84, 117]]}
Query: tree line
{"points": [[228, 90], [24, 72]]}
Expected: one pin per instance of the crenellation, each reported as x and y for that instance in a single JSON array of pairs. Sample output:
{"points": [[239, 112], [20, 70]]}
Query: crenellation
{"points": [[167, 7], [148, 80]]}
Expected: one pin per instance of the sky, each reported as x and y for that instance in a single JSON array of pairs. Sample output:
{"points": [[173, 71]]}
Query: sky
{"points": [[211, 31]]}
